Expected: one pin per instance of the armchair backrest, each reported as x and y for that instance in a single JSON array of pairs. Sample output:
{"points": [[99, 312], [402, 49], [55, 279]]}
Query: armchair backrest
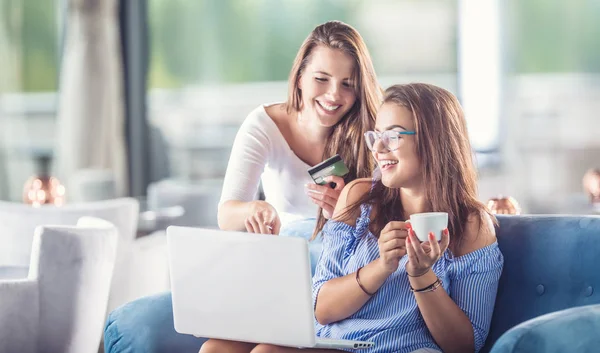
{"points": [[550, 264], [18, 222], [73, 267]]}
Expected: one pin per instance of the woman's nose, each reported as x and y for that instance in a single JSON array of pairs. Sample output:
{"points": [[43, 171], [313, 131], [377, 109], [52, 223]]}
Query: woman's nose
{"points": [[334, 91], [379, 146]]}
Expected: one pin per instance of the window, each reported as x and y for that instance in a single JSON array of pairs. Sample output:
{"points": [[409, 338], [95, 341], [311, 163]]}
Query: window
{"points": [[212, 62], [553, 36], [29, 61], [239, 41]]}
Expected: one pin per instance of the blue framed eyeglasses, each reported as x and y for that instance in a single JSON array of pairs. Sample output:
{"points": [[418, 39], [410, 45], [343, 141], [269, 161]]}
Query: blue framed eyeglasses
{"points": [[389, 138]]}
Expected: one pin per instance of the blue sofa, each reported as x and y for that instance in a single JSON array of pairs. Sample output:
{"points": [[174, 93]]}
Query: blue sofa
{"points": [[550, 267], [550, 264]]}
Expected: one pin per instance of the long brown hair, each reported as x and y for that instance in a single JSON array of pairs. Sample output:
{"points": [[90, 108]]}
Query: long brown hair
{"points": [[345, 137], [447, 167]]}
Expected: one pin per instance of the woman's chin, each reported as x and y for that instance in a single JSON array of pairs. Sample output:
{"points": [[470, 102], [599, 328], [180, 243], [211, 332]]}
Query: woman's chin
{"points": [[388, 181], [328, 121]]}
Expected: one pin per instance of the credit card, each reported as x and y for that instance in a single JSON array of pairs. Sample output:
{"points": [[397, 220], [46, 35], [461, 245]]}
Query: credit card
{"points": [[331, 166]]}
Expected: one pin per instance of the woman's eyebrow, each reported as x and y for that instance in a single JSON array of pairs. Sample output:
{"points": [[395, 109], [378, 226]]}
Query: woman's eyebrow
{"points": [[395, 126], [322, 73], [328, 74]]}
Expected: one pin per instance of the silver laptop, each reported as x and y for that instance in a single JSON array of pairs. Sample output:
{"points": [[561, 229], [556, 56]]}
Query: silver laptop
{"points": [[244, 287]]}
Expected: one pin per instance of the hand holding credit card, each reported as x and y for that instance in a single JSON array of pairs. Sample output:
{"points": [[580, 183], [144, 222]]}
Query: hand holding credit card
{"points": [[328, 177], [331, 166]]}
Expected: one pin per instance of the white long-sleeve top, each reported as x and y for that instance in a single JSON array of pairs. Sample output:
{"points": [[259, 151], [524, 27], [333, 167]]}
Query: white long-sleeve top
{"points": [[260, 152]]}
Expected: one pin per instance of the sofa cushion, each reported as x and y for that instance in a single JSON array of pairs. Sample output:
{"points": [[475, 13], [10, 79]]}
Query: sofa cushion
{"points": [[549, 265], [571, 330]]}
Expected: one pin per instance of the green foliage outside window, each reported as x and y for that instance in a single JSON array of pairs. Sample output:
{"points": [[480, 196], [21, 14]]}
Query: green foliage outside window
{"points": [[29, 43], [196, 41], [231, 41], [553, 35]]}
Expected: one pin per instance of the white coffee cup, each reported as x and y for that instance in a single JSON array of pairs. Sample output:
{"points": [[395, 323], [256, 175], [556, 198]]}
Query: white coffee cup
{"points": [[429, 222]]}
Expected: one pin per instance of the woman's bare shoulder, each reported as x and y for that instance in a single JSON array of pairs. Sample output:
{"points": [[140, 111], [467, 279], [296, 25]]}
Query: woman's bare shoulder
{"points": [[479, 233], [349, 196]]}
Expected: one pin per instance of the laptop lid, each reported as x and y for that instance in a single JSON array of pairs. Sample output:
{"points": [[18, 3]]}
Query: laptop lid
{"points": [[241, 286]]}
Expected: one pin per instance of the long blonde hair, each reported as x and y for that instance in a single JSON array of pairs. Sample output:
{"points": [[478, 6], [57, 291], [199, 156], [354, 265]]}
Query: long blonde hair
{"points": [[345, 137]]}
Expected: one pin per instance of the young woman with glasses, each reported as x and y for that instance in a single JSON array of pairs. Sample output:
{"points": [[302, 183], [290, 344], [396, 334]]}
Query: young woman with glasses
{"points": [[375, 281]]}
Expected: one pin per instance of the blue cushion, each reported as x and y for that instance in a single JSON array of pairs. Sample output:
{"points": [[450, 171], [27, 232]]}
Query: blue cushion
{"points": [[146, 325], [571, 330], [549, 265]]}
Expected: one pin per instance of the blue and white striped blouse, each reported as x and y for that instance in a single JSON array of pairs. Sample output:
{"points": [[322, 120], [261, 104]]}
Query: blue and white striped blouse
{"points": [[391, 317]]}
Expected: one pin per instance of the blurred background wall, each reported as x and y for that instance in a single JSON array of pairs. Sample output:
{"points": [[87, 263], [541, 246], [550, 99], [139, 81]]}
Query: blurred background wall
{"points": [[526, 71]]}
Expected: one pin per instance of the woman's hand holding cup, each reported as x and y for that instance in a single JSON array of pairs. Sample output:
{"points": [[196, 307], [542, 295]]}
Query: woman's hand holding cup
{"points": [[392, 245], [432, 230]]}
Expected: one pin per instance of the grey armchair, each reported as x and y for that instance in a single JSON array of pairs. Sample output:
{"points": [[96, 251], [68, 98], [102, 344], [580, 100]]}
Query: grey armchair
{"points": [[61, 305]]}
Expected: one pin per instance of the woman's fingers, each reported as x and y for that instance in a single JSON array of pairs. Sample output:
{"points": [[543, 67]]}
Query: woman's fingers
{"points": [[393, 234], [322, 190], [248, 226], [393, 244], [410, 251], [325, 206], [265, 228], [422, 256], [323, 193], [325, 202], [426, 247], [252, 225], [435, 252], [416, 244], [276, 226], [338, 181], [265, 221], [274, 223], [396, 253], [445, 240], [325, 199], [395, 225]]}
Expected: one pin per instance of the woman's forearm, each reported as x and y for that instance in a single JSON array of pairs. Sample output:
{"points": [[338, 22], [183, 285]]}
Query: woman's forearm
{"points": [[341, 297], [450, 327], [232, 214]]}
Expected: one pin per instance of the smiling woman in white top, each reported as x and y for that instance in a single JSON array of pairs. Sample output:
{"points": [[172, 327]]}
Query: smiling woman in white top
{"points": [[261, 153], [332, 100]]}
